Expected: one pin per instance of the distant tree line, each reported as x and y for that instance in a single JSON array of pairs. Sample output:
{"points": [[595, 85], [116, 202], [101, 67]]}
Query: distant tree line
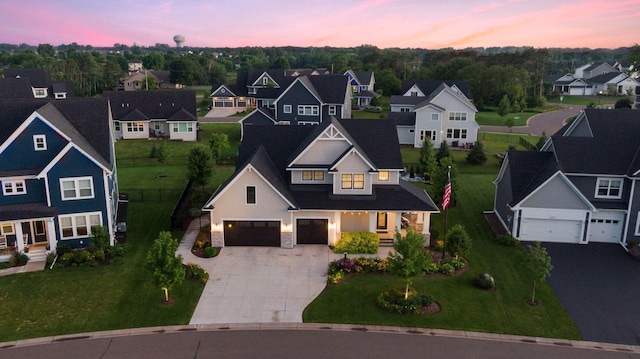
{"points": [[493, 73]]}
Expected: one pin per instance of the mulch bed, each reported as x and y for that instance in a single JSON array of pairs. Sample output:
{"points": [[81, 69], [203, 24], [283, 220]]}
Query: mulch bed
{"points": [[199, 252], [430, 309]]}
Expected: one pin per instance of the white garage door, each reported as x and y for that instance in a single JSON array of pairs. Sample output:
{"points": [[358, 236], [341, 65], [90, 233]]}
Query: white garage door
{"points": [[551, 230], [605, 230]]}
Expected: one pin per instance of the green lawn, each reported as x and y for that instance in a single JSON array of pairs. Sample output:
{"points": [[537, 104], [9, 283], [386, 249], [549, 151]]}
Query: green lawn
{"points": [[585, 100], [464, 307]]}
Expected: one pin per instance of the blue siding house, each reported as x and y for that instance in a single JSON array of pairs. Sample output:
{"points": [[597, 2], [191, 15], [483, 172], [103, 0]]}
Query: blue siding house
{"points": [[58, 174]]}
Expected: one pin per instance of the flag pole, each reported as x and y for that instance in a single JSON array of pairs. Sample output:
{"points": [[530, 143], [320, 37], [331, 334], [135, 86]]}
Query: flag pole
{"points": [[445, 203]]}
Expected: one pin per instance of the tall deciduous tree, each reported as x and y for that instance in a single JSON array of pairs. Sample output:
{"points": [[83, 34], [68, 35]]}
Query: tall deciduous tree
{"points": [[539, 265], [409, 260], [166, 266], [218, 143]]}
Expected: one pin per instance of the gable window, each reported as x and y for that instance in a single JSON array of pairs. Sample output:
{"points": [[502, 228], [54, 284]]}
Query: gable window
{"points": [[309, 175], [414, 93], [76, 188], [7, 229], [307, 110], [457, 116], [251, 195], [265, 80], [40, 142], [383, 176], [116, 125], [38, 93], [457, 133], [609, 188], [435, 117], [405, 109], [286, 108], [182, 127], [79, 225], [135, 126], [12, 188], [332, 110], [352, 181]]}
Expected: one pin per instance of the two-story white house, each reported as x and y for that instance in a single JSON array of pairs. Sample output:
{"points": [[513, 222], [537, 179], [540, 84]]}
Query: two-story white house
{"points": [[440, 110], [307, 184]]}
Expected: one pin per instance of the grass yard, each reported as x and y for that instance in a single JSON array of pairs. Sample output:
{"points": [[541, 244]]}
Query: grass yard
{"points": [[585, 100], [120, 295]]}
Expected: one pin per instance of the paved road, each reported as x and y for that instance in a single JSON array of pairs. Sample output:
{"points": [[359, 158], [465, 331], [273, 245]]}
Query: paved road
{"points": [[307, 341], [546, 123]]}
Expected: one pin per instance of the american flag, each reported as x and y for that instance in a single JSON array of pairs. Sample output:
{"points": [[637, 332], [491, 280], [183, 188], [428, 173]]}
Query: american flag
{"points": [[446, 197]]}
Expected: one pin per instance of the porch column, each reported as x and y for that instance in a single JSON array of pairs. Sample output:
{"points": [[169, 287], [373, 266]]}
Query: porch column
{"points": [[373, 221], [19, 241], [51, 235]]}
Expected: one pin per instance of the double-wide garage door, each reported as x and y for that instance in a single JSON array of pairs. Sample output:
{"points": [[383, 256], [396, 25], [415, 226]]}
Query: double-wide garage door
{"points": [[312, 231], [252, 233], [551, 230]]}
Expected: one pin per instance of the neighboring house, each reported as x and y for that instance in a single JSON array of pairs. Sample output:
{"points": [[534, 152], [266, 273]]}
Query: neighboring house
{"points": [[58, 174], [614, 84], [568, 84], [308, 100], [298, 185], [149, 114], [136, 82], [595, 69], [362, 85], [440, 110], [134, 66], [40, 82], [581, 187]]}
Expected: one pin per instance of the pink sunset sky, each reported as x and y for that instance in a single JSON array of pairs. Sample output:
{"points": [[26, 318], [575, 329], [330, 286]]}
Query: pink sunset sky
{"points": [[337, 23]]}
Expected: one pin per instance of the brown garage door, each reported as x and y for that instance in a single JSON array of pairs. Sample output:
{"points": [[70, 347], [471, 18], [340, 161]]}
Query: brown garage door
{"points": [[252, 233], [313, 231]]}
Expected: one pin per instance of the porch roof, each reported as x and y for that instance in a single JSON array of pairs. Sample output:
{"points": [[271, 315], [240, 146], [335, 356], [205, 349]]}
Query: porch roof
{"points": [[25, 211]]}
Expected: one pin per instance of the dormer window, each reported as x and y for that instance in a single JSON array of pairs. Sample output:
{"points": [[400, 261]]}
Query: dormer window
{"points": [[39, 93], [352, 181], [609, 188], [383, 176], [309, 175], [40, 142]]}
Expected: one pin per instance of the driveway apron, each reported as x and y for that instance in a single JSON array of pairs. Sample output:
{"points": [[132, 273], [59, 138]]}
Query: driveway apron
{"points": [[598, 285]]}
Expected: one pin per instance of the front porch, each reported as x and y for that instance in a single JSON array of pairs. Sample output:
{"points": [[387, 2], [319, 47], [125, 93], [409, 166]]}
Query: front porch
{"points": [[384, 224], [35, 237]]}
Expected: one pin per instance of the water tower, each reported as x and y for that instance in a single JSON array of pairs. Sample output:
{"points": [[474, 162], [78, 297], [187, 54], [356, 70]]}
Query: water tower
{"points": [[179, 39]]}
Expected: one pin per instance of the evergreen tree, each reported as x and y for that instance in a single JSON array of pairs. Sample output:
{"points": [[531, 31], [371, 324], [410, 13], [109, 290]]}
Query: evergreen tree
{"points": [[443, 152], [504, 106], [458, 241], [477, 156], [428, 158]]}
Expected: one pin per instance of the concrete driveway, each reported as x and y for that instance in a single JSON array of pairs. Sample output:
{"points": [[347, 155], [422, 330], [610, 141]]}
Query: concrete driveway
{"points": [[546, 123], [598, 285], [262, 284]]}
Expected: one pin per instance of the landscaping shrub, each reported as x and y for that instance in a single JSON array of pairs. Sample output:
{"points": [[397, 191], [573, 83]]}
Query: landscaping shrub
{"points": [[456, 263], [335, 277], [210, 252], [65, 259], [446, 268], [18, 259], [484, 281], [357, 243], [118, 250], [394, 301], [439, 246], [506, 240], [203, 239], [197, 273], [371, 265], [99, 255], [81, 256], [5, 265], [432, 268], [63, 248]]}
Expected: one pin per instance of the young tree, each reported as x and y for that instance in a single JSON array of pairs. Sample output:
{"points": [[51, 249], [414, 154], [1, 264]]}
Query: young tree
{"points": [[477, 156], [218, 143], [504, 106], [100, 237], [410, 260], [166, 266], [427, 157], [162, 152], [443, 152], [539, 265], [458, 241], [149, 83], [199, 165]]}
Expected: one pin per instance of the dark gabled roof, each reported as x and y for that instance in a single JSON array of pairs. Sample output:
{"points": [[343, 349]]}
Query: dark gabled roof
{"points": [[555, 77], [528, 170], [63, 86], [367, 93], [595, 66], [259, 116], [406, 100], [363, 77], [330, 88], [612, 149], [277, 75], [134, 116], [40, 78], [182, 115], [378, 138], [403, 118], [84, 121], [14, 88], [153, 104], [162, 76], [429, 86], [12, 212], [604, 78]]}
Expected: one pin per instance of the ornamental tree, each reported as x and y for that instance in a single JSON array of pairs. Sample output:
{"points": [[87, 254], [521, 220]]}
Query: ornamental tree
{"points": [[539, 265], [166, 266], [410, 260]]}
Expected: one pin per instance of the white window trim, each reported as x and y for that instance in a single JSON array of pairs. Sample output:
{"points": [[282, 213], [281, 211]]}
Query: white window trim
{"points": [[116, 126], [452, 130], [457, 116], [14, 188], [609, 187], [76, 182], [332, 110], [255, 195], [175, 127], [381, 179], [135, 127], [313, 176], [353, 175], [436, 115], [36, 144], [286, 108], [312, 109], [424, 132], [10, 225], [87, 216]]}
